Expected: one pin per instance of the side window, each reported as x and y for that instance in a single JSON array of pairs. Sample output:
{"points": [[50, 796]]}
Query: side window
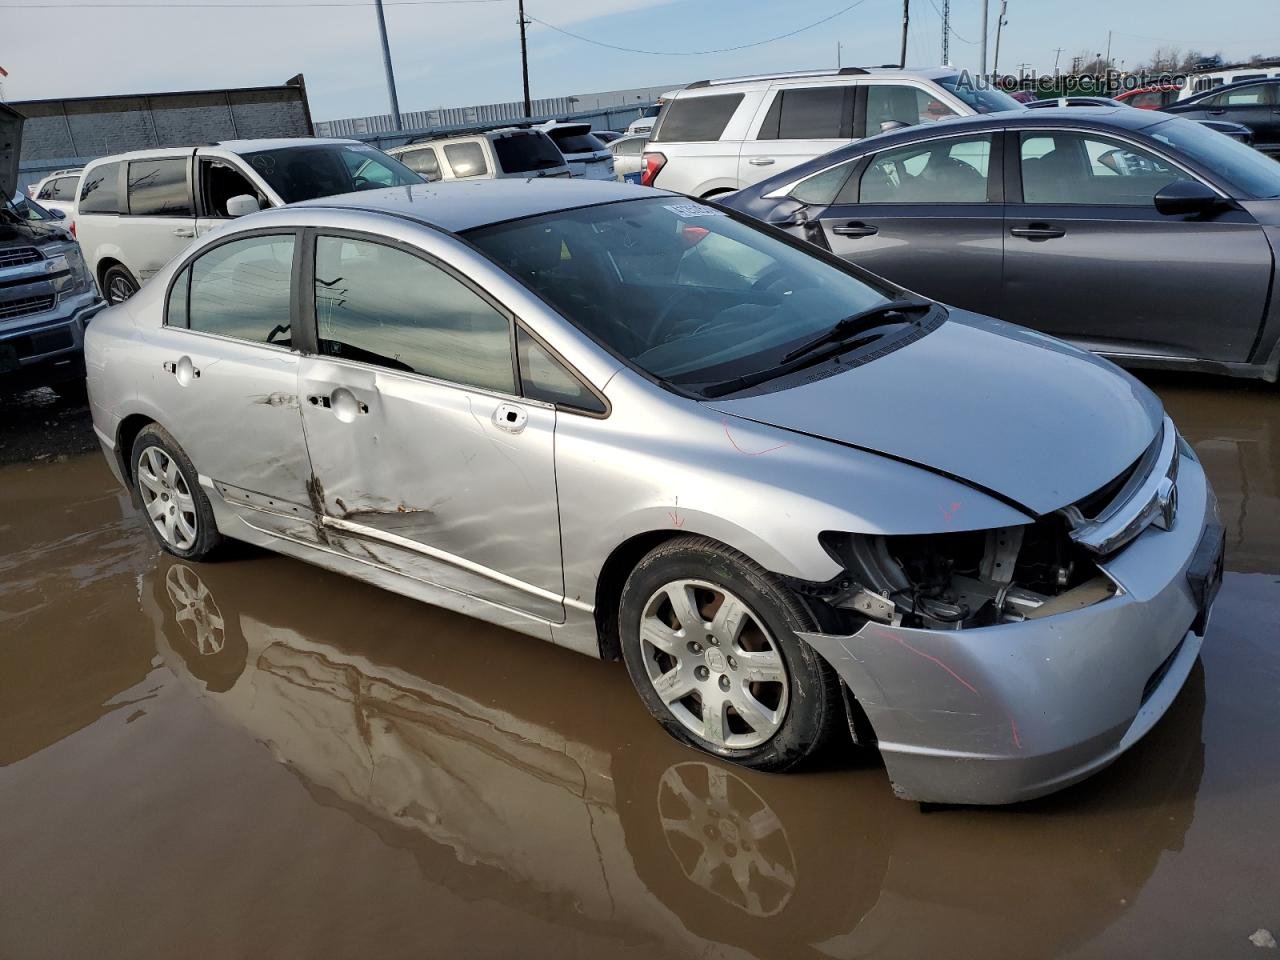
{"points": [[175, 314], [889, 104], [241, 290], [46, 192], [936, 171], [158, 188], [822, 188], [696, 119], [629, 147], [100, 190], [65, 188], [542, 377], [466, 159], [220, 182], [810, 113], [423, 162], [380, 305], [1259, 95], [1071, 168], [367, 171]]}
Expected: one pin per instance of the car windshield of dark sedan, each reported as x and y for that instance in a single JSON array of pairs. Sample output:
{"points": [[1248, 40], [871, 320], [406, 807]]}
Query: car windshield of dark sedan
{"points": [[981, 100], [678, 288], [328, 169], [1246, 169]]}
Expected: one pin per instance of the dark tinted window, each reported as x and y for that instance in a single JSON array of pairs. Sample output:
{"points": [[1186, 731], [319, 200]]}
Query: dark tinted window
{"points": [[1254, 174], [544, 378], [1071, 168], [241, 289], [936, 171], [158, 188], [576, 142], [176, 308], [100, 191], [814, 113], [890, 103], [325, 170], [422, 161], [64, 188], [466, 159], [387, 307], [527, 152], [694, 119]]}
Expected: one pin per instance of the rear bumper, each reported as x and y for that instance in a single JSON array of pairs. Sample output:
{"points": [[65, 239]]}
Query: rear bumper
{"points": [[44, 351], [1011, 712]]}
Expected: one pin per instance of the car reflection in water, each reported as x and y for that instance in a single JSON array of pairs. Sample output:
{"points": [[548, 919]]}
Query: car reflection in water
{"points": [[607, 826]]}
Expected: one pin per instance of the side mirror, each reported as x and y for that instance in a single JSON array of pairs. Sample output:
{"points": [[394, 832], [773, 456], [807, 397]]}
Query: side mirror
{"points": [[788, 214], [242, 205], [57, 214], [888, 125], [1187, 198]]}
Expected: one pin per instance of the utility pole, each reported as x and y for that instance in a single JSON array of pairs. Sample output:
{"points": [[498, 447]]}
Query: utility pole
{"points": [[1000, 22], [946, 33], [1108, 66], [1057, 54], [524, 61], [386, 63], [838, 55], [906, 22], [982, 46]]}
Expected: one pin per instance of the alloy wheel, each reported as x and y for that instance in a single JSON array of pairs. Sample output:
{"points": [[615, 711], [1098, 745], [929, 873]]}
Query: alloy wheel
{"points": [[167, 498], [714, 664], [119, 289], [194, 608]]}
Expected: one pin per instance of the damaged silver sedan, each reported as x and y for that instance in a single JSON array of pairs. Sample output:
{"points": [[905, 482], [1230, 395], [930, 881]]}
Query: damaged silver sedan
{"points": [[800, 503]]}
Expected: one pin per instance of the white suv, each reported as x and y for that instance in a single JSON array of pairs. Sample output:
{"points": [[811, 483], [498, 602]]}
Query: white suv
{"points": [[136, 211], [715, 136], [58, 192], [483, 155]]}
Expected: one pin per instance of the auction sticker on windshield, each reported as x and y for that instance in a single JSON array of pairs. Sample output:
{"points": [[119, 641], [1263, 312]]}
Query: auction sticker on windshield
{"points": [[690, 210]]}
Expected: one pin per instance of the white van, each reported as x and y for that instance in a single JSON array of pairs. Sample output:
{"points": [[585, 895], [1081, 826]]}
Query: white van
{"points": [[136, 211], [58, 192], [715, 136], [483, 154]]}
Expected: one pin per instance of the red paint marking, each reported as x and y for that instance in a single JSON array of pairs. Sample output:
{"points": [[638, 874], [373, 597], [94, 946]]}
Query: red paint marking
{"points": [[676, 520], [949, 513], [748, 453]]}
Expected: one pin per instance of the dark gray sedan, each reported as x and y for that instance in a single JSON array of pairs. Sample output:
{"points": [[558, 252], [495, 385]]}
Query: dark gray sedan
{"points": [[1253, 103], [1140, 236]]}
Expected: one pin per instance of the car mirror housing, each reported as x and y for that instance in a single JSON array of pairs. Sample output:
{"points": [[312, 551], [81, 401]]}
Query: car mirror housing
{"points": [[57, 214], [1187, 198], [242, 205]]}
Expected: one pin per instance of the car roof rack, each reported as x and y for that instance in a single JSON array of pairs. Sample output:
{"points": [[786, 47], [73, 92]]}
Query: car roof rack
{"points": [[467, 132], [786, 75]]}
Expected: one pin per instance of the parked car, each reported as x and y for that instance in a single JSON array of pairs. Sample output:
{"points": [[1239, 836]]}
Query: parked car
{"points": [[138, 210], [1255, 104], [720, 135], [58, 191], [46, 293], [759, 474], [1155, 97], [586, 155], [1202, 81], [627, 156], [484, 154], [607, 136], [1235, 131], [645, 122], [1154, 234]]}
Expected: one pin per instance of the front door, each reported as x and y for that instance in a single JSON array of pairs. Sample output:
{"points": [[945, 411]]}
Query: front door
{"points": [[425, 458], [161, 217], [217, 181], [1089, 258], [927, 216], [225, 376]]}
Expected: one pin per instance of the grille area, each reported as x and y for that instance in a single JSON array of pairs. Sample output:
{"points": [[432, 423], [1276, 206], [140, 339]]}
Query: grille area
{"points": [[26, 307], [19, 256], [37, 344]]}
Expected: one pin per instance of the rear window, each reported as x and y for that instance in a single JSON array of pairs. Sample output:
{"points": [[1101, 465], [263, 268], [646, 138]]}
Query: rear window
{"points": [[158, 188], [65, 188], [100, 191], [696, 119], [810, 113], [527, 152], [577, 142]]}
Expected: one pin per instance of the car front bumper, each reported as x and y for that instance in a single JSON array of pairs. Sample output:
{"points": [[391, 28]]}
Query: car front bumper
{"points": [[47, 348], [1015, 711]]}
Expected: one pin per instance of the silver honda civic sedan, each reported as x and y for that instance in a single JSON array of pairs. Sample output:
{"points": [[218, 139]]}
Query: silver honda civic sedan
{"points": [[799, 502]]}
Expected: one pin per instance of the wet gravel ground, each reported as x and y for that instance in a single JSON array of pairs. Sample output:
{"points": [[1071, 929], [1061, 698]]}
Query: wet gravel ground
{"points": [[255, 758]]}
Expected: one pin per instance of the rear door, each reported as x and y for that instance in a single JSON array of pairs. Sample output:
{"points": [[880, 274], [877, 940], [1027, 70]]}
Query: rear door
{"points": [[160, 219], [795, 124], [1090, 259], [928, 216]]}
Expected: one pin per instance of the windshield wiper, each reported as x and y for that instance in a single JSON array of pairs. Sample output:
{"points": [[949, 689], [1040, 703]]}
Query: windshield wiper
{"points": [[859, 323]]}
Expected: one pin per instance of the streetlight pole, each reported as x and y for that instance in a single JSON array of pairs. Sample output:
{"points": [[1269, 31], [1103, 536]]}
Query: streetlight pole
{"points": [[906, 22], [386, 63], [524, 62], [982, 47]]}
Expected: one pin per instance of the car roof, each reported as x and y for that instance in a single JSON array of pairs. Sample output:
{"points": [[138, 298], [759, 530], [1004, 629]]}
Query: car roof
{"points": [[458, 205], [1224, 87], [837, 75], [229, 146]]}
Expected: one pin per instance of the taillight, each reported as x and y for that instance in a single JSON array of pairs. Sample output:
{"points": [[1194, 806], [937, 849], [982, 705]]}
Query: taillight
{"points": [[73, 228], [653, 162]]}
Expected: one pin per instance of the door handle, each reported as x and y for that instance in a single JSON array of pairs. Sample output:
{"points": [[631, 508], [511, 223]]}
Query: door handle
{"points": [[346, 406], [760, 161], [510, 417], [1038, 231], [183, 369], [856, 229], [1217, 113], [184, 232]]}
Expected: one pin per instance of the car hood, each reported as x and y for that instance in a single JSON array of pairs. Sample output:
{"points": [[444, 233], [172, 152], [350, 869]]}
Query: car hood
{"points": [[1013, 412], [10, 147]]}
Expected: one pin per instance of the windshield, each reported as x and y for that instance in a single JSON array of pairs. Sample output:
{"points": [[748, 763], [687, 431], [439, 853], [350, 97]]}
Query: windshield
{"points": [[1253, 173], [324, 170], [681, 290], [982, 101], [526, 152]]}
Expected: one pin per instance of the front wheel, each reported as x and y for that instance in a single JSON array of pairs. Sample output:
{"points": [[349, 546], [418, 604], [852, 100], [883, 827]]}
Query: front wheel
{"points": [[709, 639]]}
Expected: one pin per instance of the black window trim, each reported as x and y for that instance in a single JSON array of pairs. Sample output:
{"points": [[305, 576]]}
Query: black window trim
{"points": [[297, 331]]}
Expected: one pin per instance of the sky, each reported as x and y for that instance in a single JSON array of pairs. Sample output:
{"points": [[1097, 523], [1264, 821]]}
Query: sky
{"points": [[467, 51]]}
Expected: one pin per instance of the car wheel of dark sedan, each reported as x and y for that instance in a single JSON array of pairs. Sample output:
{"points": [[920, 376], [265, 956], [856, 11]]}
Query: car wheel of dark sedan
{"points": [[709, 639], [167, 485], [118, 284]]}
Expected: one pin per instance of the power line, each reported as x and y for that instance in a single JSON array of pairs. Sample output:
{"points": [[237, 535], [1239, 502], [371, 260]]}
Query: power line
{"points": [[133, 4], [696, 53], [947, 26]]}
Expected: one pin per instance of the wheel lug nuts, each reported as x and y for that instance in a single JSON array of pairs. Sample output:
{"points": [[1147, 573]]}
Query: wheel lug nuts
{"points": [[733, 664], [695, 646], [724, 682], [702, 673]]}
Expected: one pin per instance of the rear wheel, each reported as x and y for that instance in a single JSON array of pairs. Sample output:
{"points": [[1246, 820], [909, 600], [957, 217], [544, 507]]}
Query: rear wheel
{"points": [[118, 284], [169, 489], [709, 639]]}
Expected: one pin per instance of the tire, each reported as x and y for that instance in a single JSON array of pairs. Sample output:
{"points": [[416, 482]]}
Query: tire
{"points": [[776, 702], [118, 284], [176, 508]]}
